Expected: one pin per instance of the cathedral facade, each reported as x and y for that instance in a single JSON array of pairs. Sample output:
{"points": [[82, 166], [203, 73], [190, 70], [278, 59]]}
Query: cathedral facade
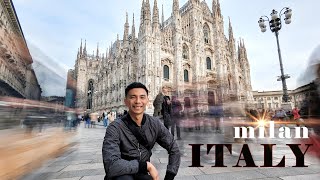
{"points": [[188, 53]]}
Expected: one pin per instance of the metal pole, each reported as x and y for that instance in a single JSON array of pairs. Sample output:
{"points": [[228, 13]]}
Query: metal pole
{"points": [[285, 96]]}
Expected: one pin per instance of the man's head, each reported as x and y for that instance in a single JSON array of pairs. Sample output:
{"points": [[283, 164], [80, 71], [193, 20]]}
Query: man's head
{"points": [[164, 90], [136, 98]]}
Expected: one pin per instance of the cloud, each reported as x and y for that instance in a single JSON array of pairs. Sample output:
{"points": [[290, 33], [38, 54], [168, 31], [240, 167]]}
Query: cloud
{"points": [[57, 27]]}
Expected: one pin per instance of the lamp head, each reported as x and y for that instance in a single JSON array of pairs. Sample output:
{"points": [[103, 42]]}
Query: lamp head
{"points": [[288, 13], [274, 14]]}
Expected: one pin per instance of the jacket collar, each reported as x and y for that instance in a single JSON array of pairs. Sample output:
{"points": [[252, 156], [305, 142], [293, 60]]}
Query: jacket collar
{"points": [[129, 119]]}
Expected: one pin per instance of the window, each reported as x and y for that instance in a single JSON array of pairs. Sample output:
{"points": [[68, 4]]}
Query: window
{"points": [[268, 98], [186, 75], [166, 72], [208, 60], [206, 33], [185, 52], [275, 98]]}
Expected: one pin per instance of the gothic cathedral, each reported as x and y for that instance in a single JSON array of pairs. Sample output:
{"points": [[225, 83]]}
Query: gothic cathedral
{"points": [[188, 53]]}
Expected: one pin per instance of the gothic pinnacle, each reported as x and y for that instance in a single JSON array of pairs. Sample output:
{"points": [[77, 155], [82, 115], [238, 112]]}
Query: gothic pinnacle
{"points": [[85, 48], [142, 13], [230, 30], [147, 11], [155, 18], [162, 18], [175, 7], [126, 29], [97, 55], [127, 17], [81, 47], [133, 29]]}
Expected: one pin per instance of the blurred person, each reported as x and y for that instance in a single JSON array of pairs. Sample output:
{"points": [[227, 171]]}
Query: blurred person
{"points": [[158, 101], [296, 116], [105, 120], [28, 123], [312, 105], [196, 114], [111, 117], [166, 111], [87, 120], [186, 111], [255, 114], [281, 114], [176, 116], [129, 141], [94, 119], [217, 115], [69, 121]]}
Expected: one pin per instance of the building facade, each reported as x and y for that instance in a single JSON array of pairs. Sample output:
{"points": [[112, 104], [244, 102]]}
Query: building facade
{"points": [[189, 53], [303, 97], [17, 77]]}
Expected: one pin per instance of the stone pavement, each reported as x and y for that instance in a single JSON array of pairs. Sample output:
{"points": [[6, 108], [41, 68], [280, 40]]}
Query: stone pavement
{"points": [[84, 161]]}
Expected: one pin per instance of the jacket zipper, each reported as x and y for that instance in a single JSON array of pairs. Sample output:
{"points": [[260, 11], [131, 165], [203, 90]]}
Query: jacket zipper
{"points": [[139, 152]]}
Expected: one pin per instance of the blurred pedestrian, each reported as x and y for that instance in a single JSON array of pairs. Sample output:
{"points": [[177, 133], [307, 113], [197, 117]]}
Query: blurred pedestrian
{"points": [[105, 120], [158, 101], [166, 111], [176, 116], [296, 116], [87, 120], [186, 112]]}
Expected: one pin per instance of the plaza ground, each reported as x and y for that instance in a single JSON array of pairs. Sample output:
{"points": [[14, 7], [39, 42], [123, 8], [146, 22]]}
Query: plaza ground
{"points": [[84, 160]]}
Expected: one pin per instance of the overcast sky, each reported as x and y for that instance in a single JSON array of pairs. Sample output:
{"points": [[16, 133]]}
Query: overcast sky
{"points": [[56, 27]]}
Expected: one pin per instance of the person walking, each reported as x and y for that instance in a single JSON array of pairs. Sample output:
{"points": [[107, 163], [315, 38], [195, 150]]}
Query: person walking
{"points": [[187, 112], [166, 111], [158, 101], [87, 120], [175, 120], [296, 115], [105, 119]]}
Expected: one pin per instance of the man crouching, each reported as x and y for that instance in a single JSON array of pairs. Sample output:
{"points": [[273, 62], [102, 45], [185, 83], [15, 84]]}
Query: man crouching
{"points": [[129, 140]]}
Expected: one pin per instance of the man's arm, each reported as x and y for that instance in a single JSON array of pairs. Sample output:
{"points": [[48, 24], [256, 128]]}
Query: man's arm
{"points": [[166, 140], [114, 165]]}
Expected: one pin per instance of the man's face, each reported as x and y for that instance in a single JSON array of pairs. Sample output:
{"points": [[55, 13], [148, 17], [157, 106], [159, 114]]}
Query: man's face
{"points": [[136, 101], [164, 90]]}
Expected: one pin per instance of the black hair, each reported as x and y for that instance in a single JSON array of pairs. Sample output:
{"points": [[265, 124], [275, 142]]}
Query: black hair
{"points": [[135, 85]]}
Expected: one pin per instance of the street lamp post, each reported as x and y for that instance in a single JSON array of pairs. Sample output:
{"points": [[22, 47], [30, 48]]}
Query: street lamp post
{"points": [[275, 26]]}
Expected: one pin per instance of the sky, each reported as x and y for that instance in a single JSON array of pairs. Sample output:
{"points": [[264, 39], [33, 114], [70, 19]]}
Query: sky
{"points": [[56, 27]]}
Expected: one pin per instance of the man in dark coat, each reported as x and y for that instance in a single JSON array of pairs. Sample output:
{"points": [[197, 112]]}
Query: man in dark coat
{"points": [[129, 140]]}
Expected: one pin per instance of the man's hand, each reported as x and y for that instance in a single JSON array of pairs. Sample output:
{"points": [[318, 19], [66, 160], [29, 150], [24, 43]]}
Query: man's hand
{"points": [[153, 171]]}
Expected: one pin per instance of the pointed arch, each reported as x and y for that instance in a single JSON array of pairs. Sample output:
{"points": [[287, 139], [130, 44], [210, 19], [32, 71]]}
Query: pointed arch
{"points": [[209, 63], [186, 75], [185, 51], [166, 72], [206, 33]]}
